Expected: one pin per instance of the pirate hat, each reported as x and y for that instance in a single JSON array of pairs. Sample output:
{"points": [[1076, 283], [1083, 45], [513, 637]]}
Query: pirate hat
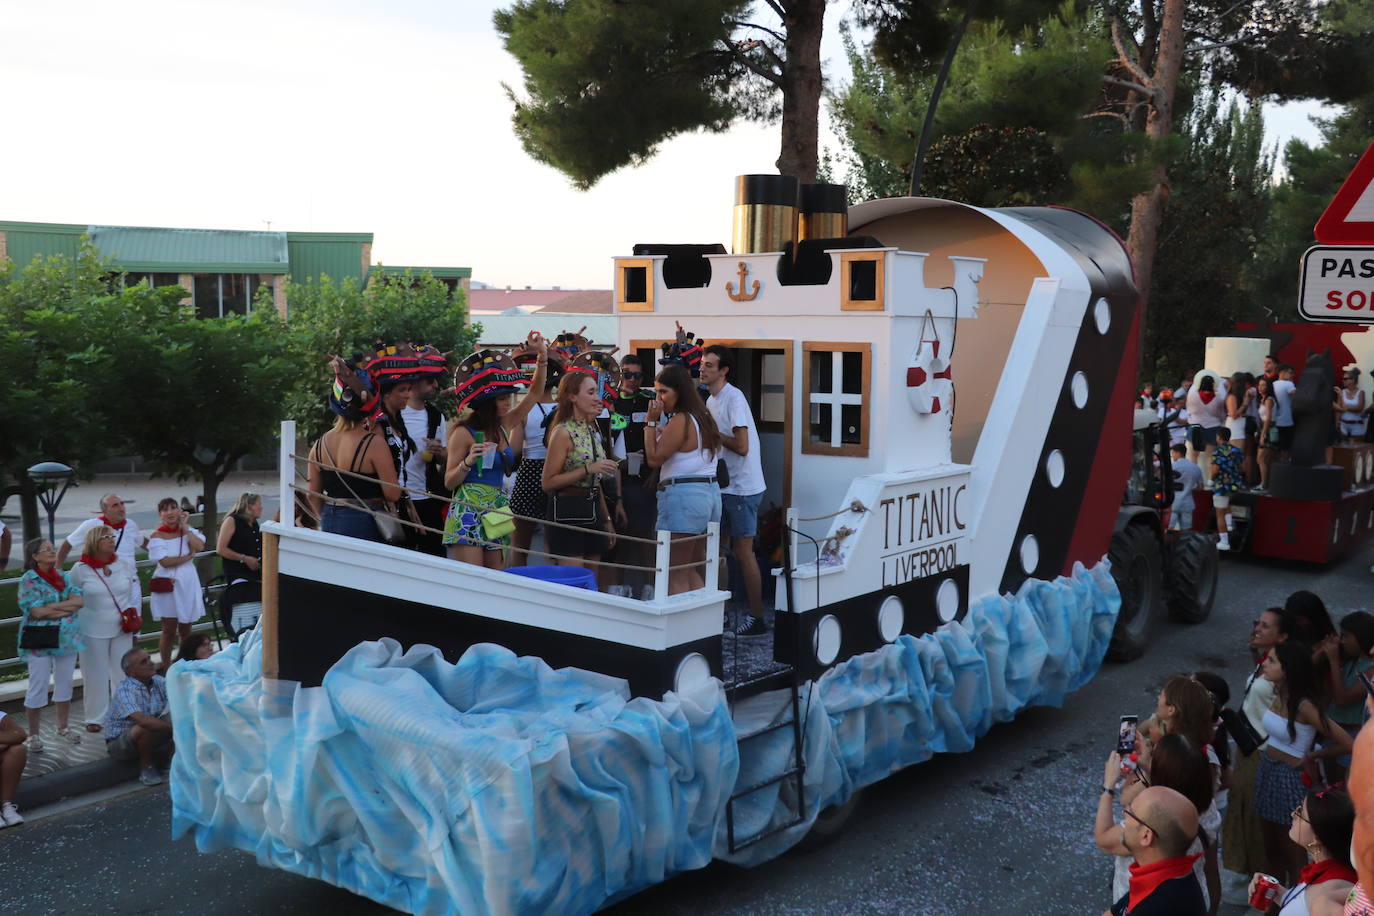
{"points": [[687, 350], [484, 375]]}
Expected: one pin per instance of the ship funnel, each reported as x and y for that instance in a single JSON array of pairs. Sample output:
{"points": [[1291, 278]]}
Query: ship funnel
{"points": [[765, 213], [824, 212]]}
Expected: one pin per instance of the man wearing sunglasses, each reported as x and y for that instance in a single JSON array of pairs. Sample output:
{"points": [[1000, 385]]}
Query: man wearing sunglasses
{"points": [[1159, 826], [641, 504]]}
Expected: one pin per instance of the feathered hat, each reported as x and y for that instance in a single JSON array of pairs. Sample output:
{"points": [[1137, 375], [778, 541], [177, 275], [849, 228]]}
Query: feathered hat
{"points": [[527, 356], [484, 375], [603, 367], [686, 349], [359, 381], [569, 345]]}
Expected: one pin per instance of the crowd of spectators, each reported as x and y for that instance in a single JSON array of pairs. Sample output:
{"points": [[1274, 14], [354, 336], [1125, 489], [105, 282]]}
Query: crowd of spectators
{"points": [[1231, 431], [597, 470], [1256, 787]]}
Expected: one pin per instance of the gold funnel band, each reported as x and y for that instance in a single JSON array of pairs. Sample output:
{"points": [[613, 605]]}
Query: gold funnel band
{"points": [[763, 227], [822, 226]]}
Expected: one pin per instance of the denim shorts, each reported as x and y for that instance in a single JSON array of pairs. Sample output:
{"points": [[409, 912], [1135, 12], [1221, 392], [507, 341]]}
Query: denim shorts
{"points": [[350, 521], [740, 515], [686, 508]]}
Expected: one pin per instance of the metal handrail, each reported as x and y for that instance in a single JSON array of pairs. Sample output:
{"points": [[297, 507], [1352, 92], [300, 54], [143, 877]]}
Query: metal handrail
{"points": [[139, 564]]}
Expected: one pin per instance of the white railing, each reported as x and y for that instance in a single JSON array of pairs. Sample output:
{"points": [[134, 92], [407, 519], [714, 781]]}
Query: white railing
{"points": [[7, 663]]}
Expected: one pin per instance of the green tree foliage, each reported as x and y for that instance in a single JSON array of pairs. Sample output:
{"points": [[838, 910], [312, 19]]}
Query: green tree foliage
{"points": [[328, 318], [606, 82], [1218, 204], [1010, 127], [99, 368]]}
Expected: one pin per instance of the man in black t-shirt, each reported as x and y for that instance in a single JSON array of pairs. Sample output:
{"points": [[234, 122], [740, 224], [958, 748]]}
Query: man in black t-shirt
{"points": [[1159, 827], [641, 502]]}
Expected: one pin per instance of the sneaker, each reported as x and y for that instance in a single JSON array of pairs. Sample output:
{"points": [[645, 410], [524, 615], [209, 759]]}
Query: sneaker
{"points": [[10, 816], [69, 734], [36, 745], [751, 626], [150, 777], [1224, 543]]}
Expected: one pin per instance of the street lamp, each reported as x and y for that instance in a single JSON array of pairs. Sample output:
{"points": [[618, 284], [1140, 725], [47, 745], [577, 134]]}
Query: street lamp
{"points": [[49, 475]]}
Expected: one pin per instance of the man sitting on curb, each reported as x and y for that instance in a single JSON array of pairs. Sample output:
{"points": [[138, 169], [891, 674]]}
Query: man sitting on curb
{"points": [[13, 755], [138, 722], [1159, 827]]}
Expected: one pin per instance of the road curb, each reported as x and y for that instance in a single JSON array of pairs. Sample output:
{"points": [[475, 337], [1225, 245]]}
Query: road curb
{"points": [[73, 781]]}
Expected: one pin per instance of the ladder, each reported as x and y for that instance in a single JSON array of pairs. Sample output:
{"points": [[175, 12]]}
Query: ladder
{"points": [[796, 771]]}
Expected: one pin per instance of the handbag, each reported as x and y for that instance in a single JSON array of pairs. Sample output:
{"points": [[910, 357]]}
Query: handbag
{"points": [[39, 636], [161, 585], [497, 523], [722, 473], [576, 506], [1238, 726], [389, 526]]}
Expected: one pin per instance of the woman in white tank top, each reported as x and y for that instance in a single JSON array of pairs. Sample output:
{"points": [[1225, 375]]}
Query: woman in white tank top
{"points": [[1350, 402], [684, 447]]}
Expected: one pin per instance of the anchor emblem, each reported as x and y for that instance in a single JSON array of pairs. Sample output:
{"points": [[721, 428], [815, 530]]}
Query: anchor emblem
{"points": [[742, 296]]}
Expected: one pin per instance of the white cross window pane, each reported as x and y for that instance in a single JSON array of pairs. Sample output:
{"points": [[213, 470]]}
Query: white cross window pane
{"points": [[836, 396]]}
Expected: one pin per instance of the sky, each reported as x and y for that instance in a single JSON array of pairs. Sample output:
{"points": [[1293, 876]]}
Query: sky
{"points": [[341, 116]]}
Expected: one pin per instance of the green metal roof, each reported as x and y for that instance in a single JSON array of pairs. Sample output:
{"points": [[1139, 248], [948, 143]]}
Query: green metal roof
{"points": [[192, 250], [443, 273]]}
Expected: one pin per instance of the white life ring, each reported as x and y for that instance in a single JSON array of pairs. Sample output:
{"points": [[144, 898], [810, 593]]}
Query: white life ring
{"points": [[929, 376]]}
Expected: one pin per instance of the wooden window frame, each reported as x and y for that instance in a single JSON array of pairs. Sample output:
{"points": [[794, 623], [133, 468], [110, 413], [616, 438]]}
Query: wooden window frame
{"points": [[852, 450], [847, 261], [623, 264]]}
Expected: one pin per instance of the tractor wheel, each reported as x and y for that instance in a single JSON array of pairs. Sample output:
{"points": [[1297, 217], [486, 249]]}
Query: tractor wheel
{"points": [[1137, 567], [1193, 583], [830, 823]]}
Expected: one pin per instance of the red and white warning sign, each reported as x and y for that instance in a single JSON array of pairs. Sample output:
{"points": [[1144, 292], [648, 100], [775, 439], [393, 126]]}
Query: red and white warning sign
{"points": [[1349, 218]]}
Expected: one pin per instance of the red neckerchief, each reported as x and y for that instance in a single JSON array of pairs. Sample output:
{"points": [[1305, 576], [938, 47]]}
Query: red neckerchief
{"points": [[1326, 870], [1206, 396], [52, 577], [106, 521], [165, 530], [94, 563], [1146, 879]]}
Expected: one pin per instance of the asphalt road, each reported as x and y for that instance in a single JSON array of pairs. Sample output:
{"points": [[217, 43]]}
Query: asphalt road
{"points": [[1005, 828]]}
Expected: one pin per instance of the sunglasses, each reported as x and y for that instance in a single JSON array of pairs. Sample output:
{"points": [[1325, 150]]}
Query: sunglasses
{"points": [[632, 375], [1135, 817]]}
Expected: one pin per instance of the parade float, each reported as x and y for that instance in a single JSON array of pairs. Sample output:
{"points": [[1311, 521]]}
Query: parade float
{"points": [[943, 395]]}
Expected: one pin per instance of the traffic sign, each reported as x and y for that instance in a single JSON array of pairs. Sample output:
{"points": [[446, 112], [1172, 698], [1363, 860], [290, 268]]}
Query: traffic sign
{"points": [[1337, 284], [1349, 218]]}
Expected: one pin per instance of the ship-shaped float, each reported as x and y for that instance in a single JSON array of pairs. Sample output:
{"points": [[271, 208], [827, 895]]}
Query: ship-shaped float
{"points": [[943, 398]]}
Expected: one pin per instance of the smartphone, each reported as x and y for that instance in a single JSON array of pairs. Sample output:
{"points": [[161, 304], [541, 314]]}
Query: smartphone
{"points": [[1125, 740]]}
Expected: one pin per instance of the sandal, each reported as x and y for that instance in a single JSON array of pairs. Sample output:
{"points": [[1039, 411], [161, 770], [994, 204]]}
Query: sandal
{"points": [[93, 727], [69, 734]]}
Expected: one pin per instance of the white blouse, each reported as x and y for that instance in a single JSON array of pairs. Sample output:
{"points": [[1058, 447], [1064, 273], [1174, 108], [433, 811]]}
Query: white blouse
{"points": [[99, 614]]}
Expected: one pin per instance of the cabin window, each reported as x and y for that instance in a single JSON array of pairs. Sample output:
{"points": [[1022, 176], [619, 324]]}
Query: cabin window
{"points": [[634, 285], [861, 280], [836, 376]]}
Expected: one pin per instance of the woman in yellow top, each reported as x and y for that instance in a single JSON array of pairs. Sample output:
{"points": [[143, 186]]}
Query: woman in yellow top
{"points": [[572, 474]]}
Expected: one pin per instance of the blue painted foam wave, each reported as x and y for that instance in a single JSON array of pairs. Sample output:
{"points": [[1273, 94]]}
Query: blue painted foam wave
{"points": [[498, 785]]}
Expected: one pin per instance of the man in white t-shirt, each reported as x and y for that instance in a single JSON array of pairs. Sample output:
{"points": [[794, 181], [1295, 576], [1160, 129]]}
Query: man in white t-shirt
{"points": [[428, 430], [129, 537], [1283, 409], [739, 501]]}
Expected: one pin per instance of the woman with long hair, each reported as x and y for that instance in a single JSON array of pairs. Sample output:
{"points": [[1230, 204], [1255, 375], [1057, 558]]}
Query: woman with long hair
{"points": [[1239, 397], [1320, 829], [483, 449], [1242, 847], [1294, 720], [106, 580], [344, 499], [1185, 707], [685, 448], [48, 600], [573, 473], [1175, 762]]}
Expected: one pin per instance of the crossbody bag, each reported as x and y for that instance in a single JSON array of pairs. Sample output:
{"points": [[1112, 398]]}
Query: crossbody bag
{"points": [[578, 505], [130, 621]]}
